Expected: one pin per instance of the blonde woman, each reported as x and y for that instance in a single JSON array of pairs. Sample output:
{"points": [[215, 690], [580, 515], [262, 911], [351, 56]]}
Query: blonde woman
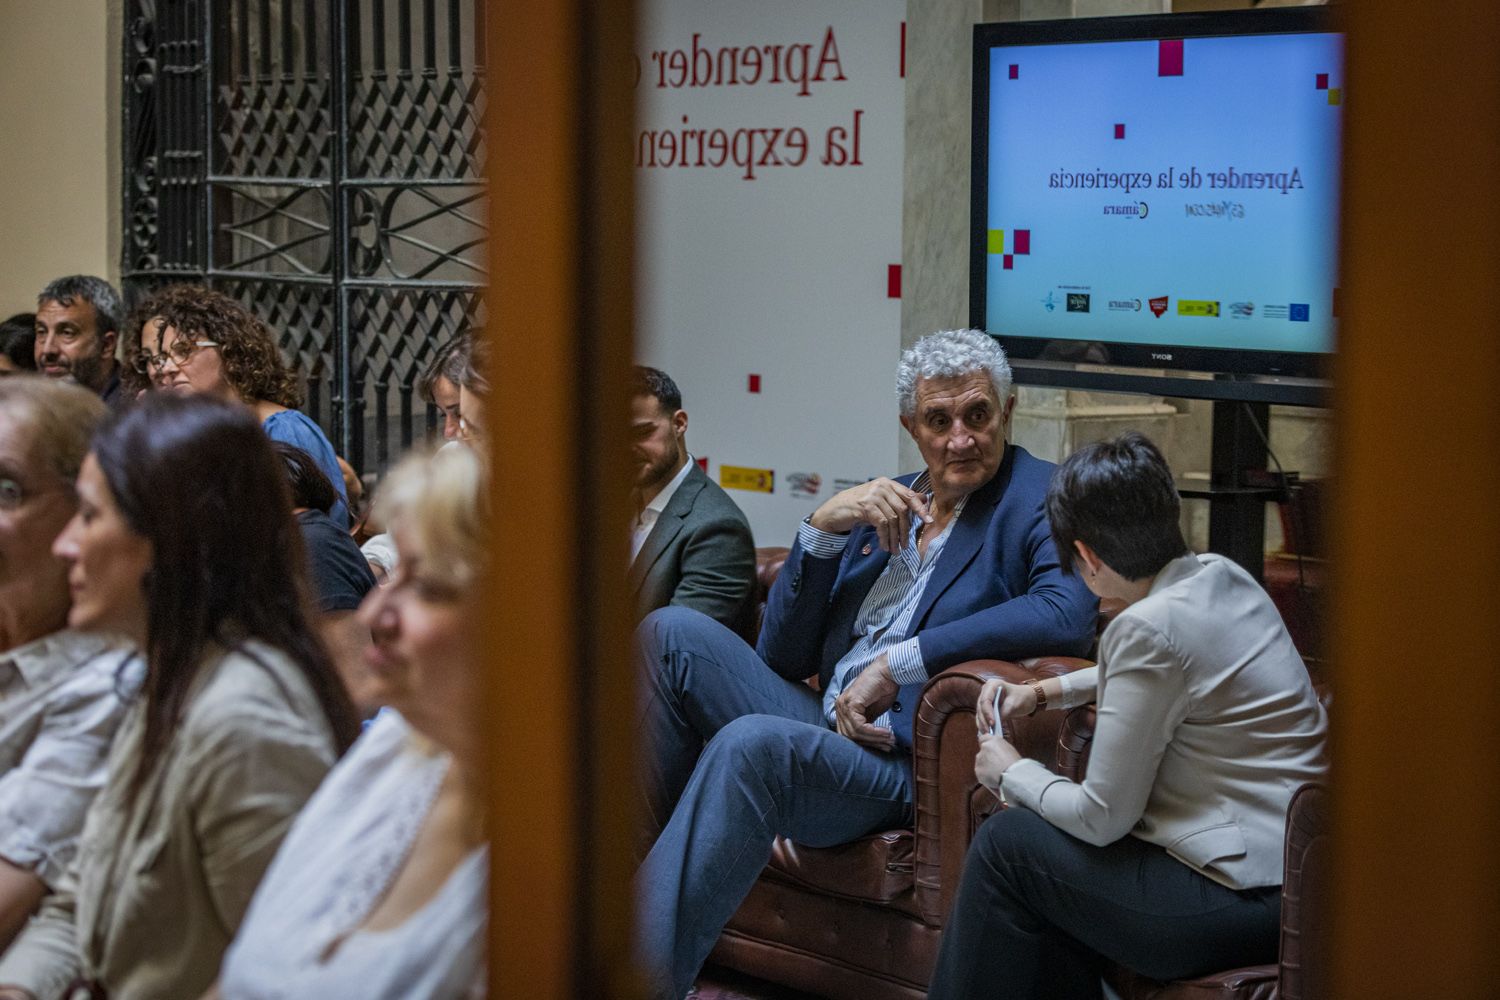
{"points": [[381, 881]]}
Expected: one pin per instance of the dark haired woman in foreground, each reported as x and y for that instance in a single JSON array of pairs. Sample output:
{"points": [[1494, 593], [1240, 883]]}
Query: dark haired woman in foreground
{"points": [[1167, 859], [198, 561]]}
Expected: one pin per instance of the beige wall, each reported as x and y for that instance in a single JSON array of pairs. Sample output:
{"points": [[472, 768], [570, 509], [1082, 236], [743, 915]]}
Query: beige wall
{"points": [[59, 125]]}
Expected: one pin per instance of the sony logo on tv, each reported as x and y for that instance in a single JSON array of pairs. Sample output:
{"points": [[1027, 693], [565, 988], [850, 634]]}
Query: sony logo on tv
{"points": [[1158, 356]]}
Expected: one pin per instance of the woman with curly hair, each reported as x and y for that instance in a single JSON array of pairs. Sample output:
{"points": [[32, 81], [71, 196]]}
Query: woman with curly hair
{"points": [[193, 340]]}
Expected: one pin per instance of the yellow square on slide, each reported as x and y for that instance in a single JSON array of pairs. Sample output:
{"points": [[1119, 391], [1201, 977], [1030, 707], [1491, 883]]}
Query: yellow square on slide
{"points": [[1335, 95], [997, 241]]}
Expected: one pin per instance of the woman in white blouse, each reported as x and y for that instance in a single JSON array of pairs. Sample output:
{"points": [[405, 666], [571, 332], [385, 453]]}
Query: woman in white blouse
{"points": [[382, 880], [1167, 859]]}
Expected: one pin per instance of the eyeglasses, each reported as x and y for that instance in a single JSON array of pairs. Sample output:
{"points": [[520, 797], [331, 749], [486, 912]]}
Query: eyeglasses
{"points": [[178, 354]]}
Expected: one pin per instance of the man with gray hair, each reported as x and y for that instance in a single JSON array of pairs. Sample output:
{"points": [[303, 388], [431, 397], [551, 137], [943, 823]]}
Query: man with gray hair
{"points": [[77, 327], [888, 584]]}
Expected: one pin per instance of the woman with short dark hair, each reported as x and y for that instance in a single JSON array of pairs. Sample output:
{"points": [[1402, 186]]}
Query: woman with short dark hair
{"points": [[1167, 858], [198, 562]]}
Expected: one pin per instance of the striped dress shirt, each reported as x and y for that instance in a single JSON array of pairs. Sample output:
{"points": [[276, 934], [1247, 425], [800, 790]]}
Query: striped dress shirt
{"points": [[885, 616]]}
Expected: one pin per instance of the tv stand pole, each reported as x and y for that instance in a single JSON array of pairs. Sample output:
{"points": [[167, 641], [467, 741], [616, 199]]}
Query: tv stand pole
{"points": [[1237, 497]]}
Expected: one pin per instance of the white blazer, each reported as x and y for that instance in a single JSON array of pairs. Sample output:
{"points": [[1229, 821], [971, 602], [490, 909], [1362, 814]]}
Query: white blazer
{"points": [[1207, 725]]}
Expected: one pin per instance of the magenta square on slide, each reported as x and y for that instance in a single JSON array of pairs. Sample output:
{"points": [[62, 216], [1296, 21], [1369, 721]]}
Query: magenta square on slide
{"points": [[1007, 261], [1015, 71], [1021, 239], [1119, 131], [1169, 57], [1322, 81]]}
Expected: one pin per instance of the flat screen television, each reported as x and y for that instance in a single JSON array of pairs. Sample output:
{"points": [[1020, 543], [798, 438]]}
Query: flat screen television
{"points": [[1160, 193]]}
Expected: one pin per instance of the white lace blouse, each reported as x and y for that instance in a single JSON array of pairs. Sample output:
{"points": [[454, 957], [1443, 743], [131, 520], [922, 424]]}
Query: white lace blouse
{"points": [[343, 852]]}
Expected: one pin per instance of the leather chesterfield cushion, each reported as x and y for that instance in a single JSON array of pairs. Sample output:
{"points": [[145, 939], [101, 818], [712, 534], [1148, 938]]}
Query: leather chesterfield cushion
{"points": [[1256, 982], [874, 869]]}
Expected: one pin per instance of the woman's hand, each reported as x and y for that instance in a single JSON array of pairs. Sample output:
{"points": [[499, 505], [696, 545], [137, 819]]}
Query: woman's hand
{"points": [[994, 756], [1018, 699]]}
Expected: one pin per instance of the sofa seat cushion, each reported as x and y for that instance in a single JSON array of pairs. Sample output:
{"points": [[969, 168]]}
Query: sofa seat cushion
{"points": [[1256, 982], [874, 869]]}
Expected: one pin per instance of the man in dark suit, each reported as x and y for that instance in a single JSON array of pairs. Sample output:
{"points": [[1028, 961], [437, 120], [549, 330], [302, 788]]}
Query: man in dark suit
{"points": [[888, 583], [690, 546]]}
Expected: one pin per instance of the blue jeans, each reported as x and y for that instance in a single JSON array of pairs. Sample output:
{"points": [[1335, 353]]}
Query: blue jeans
{"points": [[733, 756]]}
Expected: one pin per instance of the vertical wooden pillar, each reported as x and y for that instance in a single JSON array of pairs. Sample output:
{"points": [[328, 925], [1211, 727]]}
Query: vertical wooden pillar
{"points": [[1417, 511], [559, 705]]}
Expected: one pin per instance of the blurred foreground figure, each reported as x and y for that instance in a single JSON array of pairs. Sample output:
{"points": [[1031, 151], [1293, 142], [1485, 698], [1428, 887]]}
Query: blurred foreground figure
{"points": [[379, 890], [240, 715], [60, 690]]}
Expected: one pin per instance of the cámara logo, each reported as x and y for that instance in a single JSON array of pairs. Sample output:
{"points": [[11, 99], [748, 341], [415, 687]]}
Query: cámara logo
{"points": [[1158, 305], [1078, 302], [1125, 305], [1241, 310]]}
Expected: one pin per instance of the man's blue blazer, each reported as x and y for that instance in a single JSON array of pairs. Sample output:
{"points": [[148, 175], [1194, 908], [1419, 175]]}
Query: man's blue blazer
{"points": [[997, 591]]}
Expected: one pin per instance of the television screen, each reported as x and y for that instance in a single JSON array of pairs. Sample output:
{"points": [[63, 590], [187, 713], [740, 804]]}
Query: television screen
{"points": [[1160, 192]]}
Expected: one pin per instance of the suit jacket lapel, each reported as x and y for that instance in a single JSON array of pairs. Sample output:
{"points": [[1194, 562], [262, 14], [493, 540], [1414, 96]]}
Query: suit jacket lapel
{"points": [[966, 539], [666, 528]]}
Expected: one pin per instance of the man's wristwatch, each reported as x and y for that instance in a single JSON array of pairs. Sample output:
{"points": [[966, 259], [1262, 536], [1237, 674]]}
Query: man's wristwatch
{"points": [[1041, 696]]}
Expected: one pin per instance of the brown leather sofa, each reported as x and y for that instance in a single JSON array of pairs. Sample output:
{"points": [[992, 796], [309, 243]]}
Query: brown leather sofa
{"points": [[862, 921]]}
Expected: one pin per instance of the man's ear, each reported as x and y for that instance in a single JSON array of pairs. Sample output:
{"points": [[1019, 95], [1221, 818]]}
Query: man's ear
{"points": [[1010, 406], [906, 423], [1088, 557], [107, 343], [679, 423]]}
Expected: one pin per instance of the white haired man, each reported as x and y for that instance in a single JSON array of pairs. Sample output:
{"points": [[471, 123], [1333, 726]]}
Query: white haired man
{"points": [[887, 584]]}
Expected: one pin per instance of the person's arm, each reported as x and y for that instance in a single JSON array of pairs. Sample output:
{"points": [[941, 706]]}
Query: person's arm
{"points": [[251, 776], [21, 892], [1063, 692], [43, 960], [1144, 701], [798, 605], [1056, 616], [718, 570]]}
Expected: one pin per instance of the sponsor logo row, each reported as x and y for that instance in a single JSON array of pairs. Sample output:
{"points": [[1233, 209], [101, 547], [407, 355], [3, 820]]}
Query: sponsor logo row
{"points": [[1081, 302]]}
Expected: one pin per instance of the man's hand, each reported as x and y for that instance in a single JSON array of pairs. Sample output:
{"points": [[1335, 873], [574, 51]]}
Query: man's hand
{"points": [[882, 503], [1018, 699], [994, 756], [866, 697]]}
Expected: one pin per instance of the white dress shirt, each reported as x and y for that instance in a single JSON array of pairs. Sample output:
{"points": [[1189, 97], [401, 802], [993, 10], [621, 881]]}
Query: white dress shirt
{"points": [[640, 528], [61, 699]]}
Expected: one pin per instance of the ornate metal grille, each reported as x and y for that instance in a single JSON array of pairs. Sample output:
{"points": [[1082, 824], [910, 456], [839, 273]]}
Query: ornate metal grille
{"points": [[324, 162]]}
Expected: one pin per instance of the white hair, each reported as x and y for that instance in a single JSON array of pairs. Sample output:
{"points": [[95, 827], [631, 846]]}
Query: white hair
{"points": [[950, 354]]}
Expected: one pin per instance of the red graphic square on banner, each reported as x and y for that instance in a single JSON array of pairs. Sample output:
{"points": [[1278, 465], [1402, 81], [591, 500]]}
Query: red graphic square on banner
{"points": [[903, 50], [702, 463], [1022, 241], [1169, 57], [1322, 81], [1015, 71], [755, 383], [1119, 131], [893, 281], [1007, 262]]}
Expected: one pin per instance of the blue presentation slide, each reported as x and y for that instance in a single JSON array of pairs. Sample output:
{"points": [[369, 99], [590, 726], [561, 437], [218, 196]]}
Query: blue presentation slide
{"points": [[1181, 192]]}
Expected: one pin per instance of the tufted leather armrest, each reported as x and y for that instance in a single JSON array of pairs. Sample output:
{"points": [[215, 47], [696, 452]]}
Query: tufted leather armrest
{"points": [[950, 803]]}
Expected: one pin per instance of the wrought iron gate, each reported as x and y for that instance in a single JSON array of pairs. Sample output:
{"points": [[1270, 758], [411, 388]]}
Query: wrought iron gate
{"points": [[323, 162]]}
